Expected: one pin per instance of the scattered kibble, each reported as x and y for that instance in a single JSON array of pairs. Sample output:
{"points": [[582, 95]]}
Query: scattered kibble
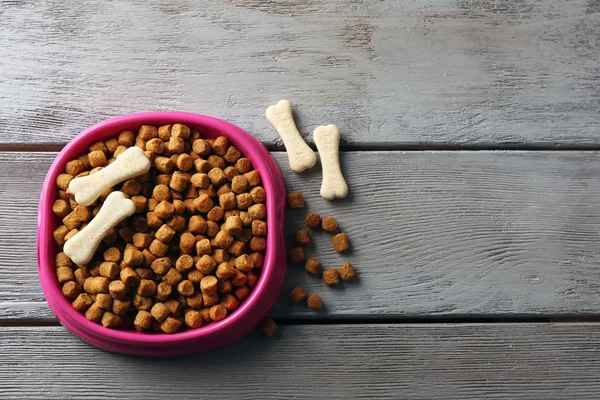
{"points": [[295, 200], [313, 266], [296, 255], [329, 224], [331, 277], [302, 237], [347, 271], [298, 294], [340, 242], [269, 327], [314, 302], [313, 220]]}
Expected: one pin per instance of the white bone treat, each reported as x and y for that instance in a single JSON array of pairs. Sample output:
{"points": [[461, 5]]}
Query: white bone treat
{"points": [[81, 247], [327, 139], [300, 155], [131, 163]]}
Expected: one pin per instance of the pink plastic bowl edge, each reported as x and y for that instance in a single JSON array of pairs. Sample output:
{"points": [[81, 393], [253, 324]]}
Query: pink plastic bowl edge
{"points": [[235, 326]]}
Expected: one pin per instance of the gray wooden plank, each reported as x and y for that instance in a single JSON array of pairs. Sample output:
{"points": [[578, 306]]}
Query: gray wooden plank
{"points": [[525, 361], [389, 73], [461, 234]]}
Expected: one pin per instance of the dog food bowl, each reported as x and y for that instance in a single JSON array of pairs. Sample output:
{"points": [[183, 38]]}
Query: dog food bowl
{"points": [[216, 334]]}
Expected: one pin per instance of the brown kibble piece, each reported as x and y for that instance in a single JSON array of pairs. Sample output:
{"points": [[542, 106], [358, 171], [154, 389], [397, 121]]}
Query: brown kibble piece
{"points": [[59, 234], [232, 154], [201, 147], [252, 279], [237, 248], [347, 271], [243, 165], [129, 277], [224, 286], [200, 180], [203, 247], [314, 302], [95, 285], [184, 263], [160, 312], [126, 138], [142, 303], [170, 325], [71, 290], [302, 237], [62, 260], [227, 201], [340, 242], [164, 132], [158, 248], [63, 180], [329, 224], [195, 301], [184, 162], [258, 195], [164, 164], [253, 178], [165, 233], [146, 288], [81, 274], [218, 312], [220, 145], [187, 242], [172, 277], [82, 302], [217, 176], [193, 318], [164, 210], [239, 184], [259, 228], [230, 302], [208, 285], [142, 240], [295, 200], [161, 265], [131, 187], [143, 320], [224, 239], [239, 279], [181, 131], [176, 145], [206, 264], [121, 306], [230, 173], [94, 313], [215, 214], [244, 263], [109, 270], [161, 192], [112, 254], [257, 211], [203, 203], [104, 301], [186, 288], [147, 132], [313, 220], [163, 291], [296, 255], [74, 167], [61, 208], [132, 256], [331, 277], [117, 289], [201, 165], [210, 299], [220, 256], [269, 327], [313, 266], [258, 258], [155, 145], [243, 201], [71, 222], [97, 159], [225, 270], [298, 294]]}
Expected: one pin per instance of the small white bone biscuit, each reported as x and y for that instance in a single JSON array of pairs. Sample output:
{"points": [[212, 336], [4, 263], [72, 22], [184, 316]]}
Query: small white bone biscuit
{"points": [[131, 163], [327, 139], [300, 155], [81, 247]]}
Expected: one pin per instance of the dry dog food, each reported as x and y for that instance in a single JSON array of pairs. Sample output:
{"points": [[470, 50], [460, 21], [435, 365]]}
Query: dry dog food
{"points": [[314, 302], [188, 252]]}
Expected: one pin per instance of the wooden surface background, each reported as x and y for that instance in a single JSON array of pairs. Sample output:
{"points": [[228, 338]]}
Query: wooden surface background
{"points": [[469, 231]]}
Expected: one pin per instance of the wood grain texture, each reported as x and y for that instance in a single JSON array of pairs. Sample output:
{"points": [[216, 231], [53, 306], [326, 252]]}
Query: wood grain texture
{"points": [[389, 73], [461, 234], [325, 362]]}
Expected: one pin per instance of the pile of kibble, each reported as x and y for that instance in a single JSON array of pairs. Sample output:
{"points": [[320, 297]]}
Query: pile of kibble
{"points": [[188, 255]]}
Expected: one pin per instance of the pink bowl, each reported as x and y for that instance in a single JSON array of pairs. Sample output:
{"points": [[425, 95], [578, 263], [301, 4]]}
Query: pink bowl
{"points": [[216, 334]]}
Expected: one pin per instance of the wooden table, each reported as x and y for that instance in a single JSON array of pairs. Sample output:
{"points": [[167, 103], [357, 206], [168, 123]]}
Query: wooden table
{"points": [[470, 137]]}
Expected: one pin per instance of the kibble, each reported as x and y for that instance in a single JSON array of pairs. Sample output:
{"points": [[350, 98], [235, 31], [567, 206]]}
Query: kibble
{"points": [[197, 234], [314, 302]]}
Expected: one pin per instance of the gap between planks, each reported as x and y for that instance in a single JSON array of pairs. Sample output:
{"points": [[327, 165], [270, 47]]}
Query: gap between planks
{"points": [[39, 148], [377, 321]]}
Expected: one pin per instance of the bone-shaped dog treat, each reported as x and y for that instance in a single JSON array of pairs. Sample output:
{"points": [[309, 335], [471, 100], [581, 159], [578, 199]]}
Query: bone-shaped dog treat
{"points": [[327, 139], [131, 163], [81, 247], [300, 155]]}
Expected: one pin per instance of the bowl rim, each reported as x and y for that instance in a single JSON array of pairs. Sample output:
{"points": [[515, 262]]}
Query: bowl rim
{"points": [[272, 273]]}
